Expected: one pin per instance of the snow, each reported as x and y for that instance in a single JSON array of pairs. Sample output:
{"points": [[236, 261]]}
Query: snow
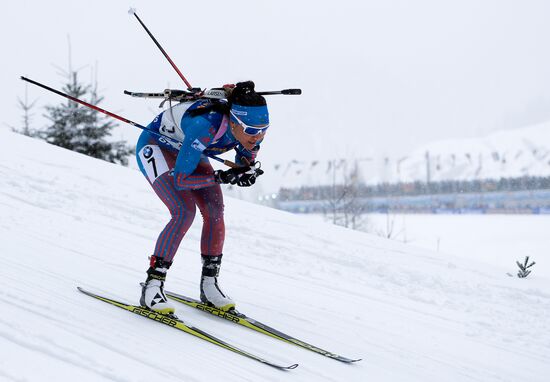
{"points": [[503, 154], [410, 313], [509, 239]]}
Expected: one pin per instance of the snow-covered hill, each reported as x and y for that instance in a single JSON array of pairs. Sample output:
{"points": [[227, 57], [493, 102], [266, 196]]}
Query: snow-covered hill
{"points": [[503, 154], [412, 315], [507, 153]]}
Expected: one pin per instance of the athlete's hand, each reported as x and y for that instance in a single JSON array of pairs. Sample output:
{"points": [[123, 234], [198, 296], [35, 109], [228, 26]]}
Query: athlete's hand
{"points": [[249, 178], [230, 176]]}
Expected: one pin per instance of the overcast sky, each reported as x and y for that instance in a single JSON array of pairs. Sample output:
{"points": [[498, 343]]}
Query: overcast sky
{"points": [[379, 77]]}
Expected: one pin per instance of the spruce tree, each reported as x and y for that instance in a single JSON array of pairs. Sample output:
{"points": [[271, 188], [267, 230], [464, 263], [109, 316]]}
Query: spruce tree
{"points": [[26, 107], [82, 129]]}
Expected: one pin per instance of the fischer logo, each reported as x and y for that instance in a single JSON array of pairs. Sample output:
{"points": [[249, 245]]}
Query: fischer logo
{"points": [[218, 313], [155, 316]]}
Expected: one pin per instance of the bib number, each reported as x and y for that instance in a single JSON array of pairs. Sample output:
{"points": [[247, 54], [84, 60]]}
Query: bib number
{"points": [[153, 162]]}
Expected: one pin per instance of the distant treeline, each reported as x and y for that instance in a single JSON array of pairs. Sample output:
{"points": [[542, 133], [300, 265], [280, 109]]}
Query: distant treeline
{"points": [[525, 183]]}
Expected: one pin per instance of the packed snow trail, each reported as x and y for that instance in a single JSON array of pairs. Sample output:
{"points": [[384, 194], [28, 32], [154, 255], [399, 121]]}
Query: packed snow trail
{"points": [[412, 315]]}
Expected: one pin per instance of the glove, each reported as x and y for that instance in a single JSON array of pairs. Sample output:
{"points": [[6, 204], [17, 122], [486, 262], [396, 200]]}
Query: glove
{"points": [[249, 178], [230, 176]]}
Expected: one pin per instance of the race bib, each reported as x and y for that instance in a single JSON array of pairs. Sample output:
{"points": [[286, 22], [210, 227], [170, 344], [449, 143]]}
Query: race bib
{"points": [[153, 162]]}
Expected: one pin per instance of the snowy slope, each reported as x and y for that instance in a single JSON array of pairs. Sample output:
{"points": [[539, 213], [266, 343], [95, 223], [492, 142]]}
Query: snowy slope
{"points": [[502, 154], [412, 315]]}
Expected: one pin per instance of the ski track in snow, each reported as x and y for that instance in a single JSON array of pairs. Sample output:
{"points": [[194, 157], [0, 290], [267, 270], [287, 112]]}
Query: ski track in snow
{"points": [[409, 313]]}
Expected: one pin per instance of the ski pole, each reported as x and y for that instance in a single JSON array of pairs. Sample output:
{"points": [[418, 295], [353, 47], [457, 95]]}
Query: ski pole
{"points": [[94, 107], [284, 91], [226, 162], [171, 141], [132, 11]]}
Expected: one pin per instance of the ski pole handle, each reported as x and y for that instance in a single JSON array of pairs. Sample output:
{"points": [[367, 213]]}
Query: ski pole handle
{"points": [[284, 92]]}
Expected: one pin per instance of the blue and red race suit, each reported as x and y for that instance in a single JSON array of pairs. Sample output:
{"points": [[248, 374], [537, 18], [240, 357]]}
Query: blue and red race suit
{"points": [[183, 177]]}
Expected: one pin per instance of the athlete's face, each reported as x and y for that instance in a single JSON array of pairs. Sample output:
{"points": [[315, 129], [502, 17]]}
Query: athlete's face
{"points": [[248, 141]]}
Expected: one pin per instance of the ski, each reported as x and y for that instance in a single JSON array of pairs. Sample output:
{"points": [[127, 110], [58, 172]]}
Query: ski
{"points": [[176, 323], [241, 319]]}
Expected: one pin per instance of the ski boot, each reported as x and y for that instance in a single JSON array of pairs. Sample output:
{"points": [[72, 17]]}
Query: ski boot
{"points": [[152, 292], [211, 293]]}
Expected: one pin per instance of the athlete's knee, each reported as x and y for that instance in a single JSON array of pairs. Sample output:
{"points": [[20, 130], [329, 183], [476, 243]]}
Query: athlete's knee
{"points": [[213, 216], [183, 214]]}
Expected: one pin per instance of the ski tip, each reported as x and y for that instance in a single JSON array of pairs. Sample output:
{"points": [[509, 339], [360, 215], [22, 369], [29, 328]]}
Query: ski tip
{"points": [[131, 11], [292, 367], [80, 289], [347, 360]]}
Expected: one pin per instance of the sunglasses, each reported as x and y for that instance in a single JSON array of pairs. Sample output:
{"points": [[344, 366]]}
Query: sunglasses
{"points": [[250, 130]]}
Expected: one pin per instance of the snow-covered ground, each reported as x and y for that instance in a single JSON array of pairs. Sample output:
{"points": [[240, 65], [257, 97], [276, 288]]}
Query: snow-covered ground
{"points": [[498, 240], [410, 313]]}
